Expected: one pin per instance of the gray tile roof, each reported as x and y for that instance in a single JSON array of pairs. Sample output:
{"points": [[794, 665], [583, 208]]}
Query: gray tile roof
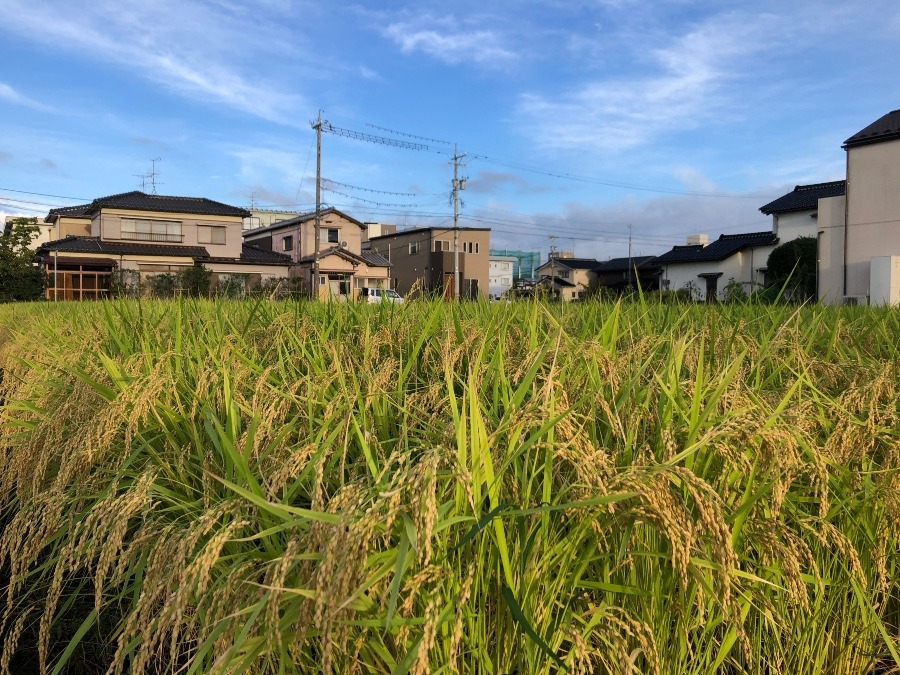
{"points": [[250, 253], [574, 263], [370, 258], [723, 247], [374, 259], [556, 280], [73, 244], [79, 211], [141, 201], [886, 128], [647, 262], [805, 197]]}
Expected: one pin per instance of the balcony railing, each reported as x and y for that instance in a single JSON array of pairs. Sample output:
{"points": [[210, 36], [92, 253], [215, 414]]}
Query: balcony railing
{"points": [[153, 236]]}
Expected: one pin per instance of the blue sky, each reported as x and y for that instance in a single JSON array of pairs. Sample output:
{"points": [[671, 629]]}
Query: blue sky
{"points": [[578, 118]]}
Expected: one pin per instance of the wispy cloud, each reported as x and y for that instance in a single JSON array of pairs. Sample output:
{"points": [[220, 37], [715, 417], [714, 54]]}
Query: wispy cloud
{"points": [[675, 89], [10, 95], [161, 42], [491, 182], [369, 74], [442, 39]]}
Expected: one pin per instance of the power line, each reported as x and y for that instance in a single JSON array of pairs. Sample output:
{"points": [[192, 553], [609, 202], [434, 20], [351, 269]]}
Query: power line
{"points": [[327, 127], [403, 133], [381, 192], [42, 194], [368, 201]]}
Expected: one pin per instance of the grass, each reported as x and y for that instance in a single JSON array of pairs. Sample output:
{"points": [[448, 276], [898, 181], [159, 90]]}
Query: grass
{"points": [[227, 487]]}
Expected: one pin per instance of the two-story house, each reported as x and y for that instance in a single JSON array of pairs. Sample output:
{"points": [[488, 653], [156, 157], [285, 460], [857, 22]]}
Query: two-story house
{"points": [[567, 277], [149, 234], [865, 252], [343, 264], [422, 259], [795, 213]]}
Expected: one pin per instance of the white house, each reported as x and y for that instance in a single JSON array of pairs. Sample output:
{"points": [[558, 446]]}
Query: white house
{"points": [[795, 214], [500, 274], [706, 269]]}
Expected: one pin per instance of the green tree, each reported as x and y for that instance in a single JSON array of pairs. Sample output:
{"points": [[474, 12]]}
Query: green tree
{"points": [[194, 281], [792, 267], [20, 277]]}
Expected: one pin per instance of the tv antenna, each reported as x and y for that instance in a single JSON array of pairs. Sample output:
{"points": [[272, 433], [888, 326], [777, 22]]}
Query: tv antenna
{"points": [[153, 174]]}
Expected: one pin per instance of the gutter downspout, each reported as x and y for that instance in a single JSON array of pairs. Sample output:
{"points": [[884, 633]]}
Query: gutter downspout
{"points": [[846, 220]]}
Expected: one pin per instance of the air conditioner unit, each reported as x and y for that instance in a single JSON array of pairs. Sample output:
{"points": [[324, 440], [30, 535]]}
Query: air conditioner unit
{"points": [[856, 299], [344, 243]]}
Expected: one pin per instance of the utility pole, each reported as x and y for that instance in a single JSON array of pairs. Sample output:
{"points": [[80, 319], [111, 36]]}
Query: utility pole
{"points": [[629, 255], [317, 125], [552, 264], [457, 186]]}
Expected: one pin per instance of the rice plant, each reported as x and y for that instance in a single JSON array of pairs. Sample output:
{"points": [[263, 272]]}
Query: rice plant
{"points": [[267, 487]]}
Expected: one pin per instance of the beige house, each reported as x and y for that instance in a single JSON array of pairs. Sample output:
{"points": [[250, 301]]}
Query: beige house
{"points": [[872, 205], [858, 228], [422, 260], [343, 266], [149, 235], [69, 221], [567, 277]]}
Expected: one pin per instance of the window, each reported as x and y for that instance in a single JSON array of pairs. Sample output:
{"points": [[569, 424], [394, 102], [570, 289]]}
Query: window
{"points": [[414, 248], [470, 247], [208, 234], [330, 235], [139, 229], [287, 244], [441, 245], [563, 274]]}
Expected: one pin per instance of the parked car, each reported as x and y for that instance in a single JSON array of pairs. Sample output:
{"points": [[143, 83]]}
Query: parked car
{"points": [[367, 294]]}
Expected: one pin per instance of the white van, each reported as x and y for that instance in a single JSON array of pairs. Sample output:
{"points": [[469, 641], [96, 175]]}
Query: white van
{"points": [[367, 294]]}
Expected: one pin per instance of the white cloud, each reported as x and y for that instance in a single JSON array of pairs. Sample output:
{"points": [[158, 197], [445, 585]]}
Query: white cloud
{"points": [[10, 95], [439, 39], [679, 91], [369, 74], [191, 48]]}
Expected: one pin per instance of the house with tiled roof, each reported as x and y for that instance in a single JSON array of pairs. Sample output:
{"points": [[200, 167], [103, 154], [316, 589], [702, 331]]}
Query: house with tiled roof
{"points": [[148, 234], [623, 274], [705, 269], [343, 266], [795, 214], [566, 276], [859, 240]]}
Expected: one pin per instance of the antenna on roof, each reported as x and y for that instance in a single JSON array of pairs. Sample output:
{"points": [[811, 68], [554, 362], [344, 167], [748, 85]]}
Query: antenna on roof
{"points": [[143, 178], [153, 174]]}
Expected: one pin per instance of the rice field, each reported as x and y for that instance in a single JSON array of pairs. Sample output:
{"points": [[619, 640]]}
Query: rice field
{"points": [[267, 487]]}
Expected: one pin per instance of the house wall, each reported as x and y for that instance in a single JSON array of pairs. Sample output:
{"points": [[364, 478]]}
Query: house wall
{"points": [[790, 226], [830, 274], [75, 227], [741, 267], [873, 210], [304, 234], [107, 224], [500, 275], [265, 271], [423, 270]]}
